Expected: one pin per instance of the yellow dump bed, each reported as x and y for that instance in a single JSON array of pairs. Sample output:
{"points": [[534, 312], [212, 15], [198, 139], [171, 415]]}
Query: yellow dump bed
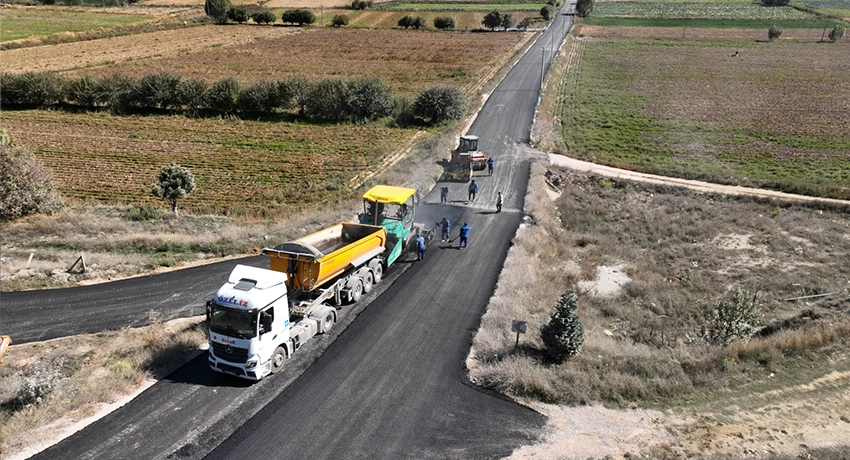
{"points": [[314, 260]]}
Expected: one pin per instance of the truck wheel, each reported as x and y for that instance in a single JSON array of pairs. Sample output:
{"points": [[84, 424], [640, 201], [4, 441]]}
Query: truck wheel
{"points": [[328, 322], [355, 290], [377, 270], [278, 359], [368, 280]]}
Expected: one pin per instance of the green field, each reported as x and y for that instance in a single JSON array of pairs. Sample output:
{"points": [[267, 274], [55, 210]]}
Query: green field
{"points": [[696, 11], [769, 118], [25, 23]]}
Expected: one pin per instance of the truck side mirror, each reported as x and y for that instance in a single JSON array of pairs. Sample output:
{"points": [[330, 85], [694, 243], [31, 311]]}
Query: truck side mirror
{"points": [[209, 310]]}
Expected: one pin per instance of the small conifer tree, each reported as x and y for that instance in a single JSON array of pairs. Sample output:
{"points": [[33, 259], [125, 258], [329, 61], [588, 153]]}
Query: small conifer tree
{"points": [[564, 334]]}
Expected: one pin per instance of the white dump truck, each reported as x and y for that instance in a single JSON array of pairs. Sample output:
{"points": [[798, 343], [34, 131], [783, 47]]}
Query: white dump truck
{"points": [[259, 317]]}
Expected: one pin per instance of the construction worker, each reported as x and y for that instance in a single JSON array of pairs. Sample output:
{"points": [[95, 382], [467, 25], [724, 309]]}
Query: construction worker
{"points": [[420, 246], [464, 236], [473, 189], [490, 163], [446, 227], [444, 194], [499, 200]]}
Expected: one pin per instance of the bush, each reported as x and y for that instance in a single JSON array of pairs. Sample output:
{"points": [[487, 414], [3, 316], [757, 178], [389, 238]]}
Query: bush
{"points": [[405, 21], [145, 214], [298, 16], [418, 22], [775, 2], [440, 103], [402, 112], [191, 94], [564, 334], [157, 90], [86, 92], [295, 91], [836, 33], [361, 4], [329, 100], [32, 89], [737, 319], [444, 23], [37, 384], [774, 32], [339, 20], [584, 8], [238, 14], [262, 96], [264, 17], [547, 12], [26, 186], [121, 90], [223, 95], [524, 23], [217, 9], [369, 98]]}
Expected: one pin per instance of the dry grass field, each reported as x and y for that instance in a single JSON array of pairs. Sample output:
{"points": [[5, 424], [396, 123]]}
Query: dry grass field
{"points": [[650, 262]]}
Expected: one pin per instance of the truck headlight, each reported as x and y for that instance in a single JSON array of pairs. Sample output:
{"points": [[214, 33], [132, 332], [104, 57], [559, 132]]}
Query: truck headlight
{"points": [[252, 363]]}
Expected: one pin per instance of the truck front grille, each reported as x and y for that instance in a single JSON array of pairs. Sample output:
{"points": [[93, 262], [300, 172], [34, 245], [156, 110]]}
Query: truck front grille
{"points": [[230, 353]]}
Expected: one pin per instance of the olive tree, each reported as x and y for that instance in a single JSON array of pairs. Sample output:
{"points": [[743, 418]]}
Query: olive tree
{"points": [[774, 32], [339, 20], [174, 182], [26, 185], [298, 16], [217, 9], [836, 33], [369, 98], [584, 8], [492, 20], [444, 23], [223, 95], [440, 103], [264, 17]]}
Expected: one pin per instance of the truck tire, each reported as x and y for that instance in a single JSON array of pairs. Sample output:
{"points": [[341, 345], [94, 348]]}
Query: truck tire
{"points": [[377, 270], [328, 322], [368, 280], [355, 289], [278, 359]]}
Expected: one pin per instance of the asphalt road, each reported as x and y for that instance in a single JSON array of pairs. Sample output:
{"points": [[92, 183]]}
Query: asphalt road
{"points": [[387, 382], [33, 316]]}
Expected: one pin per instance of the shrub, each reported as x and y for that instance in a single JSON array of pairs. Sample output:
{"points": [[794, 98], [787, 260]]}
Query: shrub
{"points": [[492, 20], [173, 183], [418, 22], [361, 4], [547, 12], [440, 103], [262, 96], [369, 98], [37, 384], [145, 214], [339, 20], [26, 186], [444, 23], [524, 23], [774, 32], [564, 334], [836, 33], [157, 90], [329, 100], [264, 17], [223, 95], [191, 94], [405, 21], [121, 90], [584, 8], [86, 92], [298, 16], [238, 14], [295, 91], [737, 319], [402, 111], [32, 89], [217, 9]]}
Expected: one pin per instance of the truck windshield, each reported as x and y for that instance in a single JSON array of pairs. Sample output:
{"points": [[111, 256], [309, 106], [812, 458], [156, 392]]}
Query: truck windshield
{"points": [[233, 323]]}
